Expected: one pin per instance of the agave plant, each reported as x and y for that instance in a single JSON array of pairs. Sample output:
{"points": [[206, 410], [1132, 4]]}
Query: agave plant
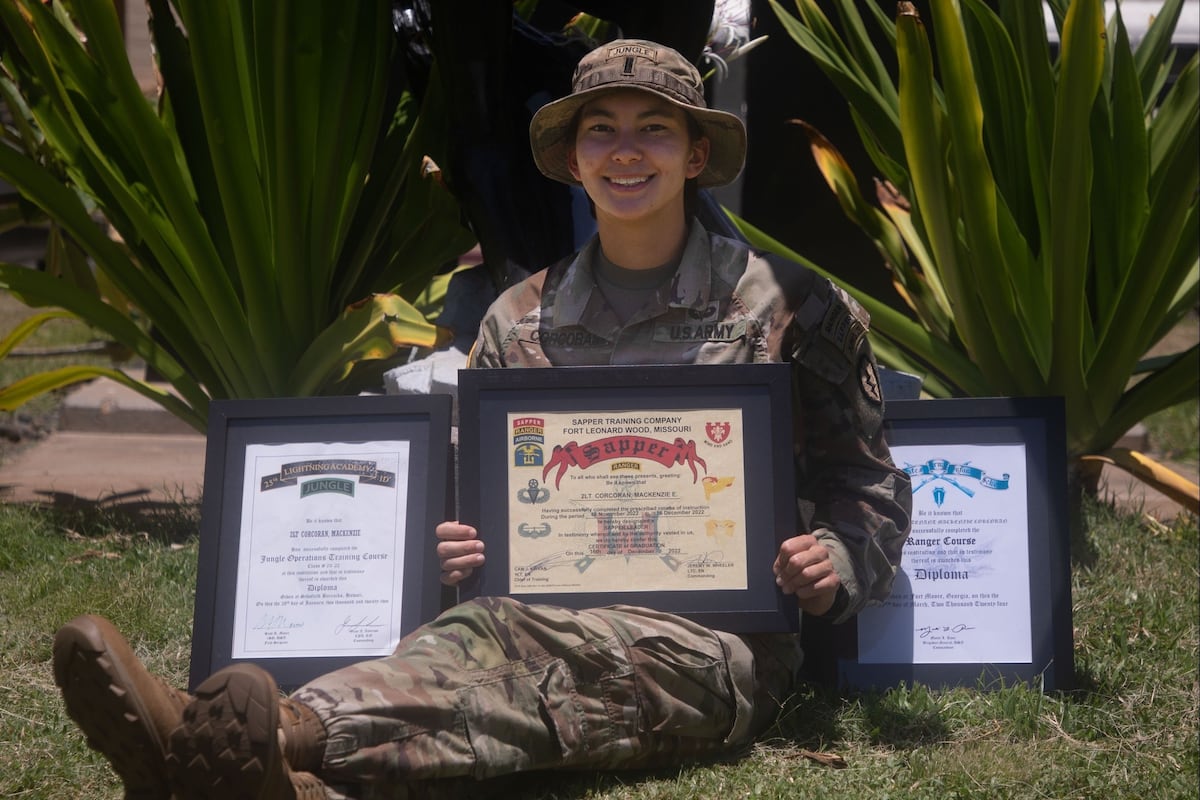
{"points": [[1037, 205], [273, 218]]}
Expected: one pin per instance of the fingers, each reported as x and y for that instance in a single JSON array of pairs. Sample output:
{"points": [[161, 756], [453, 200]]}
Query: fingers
{"points": [[803, 568], [459, 551]]}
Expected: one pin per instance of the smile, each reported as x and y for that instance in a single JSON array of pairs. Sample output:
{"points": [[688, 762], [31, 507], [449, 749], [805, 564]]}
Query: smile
{"points": [[629, 181]]}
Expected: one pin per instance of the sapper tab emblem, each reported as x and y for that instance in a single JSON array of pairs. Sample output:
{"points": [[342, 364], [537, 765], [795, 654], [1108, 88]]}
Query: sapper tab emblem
{"points": [[528, 440]]}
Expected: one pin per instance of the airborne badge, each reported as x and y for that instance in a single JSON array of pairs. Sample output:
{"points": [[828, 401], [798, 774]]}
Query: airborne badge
{"points": [[868, 378]]}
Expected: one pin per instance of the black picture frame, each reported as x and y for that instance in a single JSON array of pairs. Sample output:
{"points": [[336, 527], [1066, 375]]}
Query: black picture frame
{"points": [[762, 391], [1038, 424], [234, 425]]}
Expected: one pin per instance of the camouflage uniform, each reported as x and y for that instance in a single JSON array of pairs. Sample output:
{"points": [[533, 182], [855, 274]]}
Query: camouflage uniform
{"points": [[495, 686]]}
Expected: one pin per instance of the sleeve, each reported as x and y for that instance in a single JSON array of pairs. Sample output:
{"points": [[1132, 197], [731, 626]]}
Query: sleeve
{"points": [[485, 352], [851, 495], [498, 343]]}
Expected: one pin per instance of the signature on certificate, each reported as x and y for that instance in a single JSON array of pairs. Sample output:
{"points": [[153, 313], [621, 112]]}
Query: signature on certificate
{"points": [[276, 622], [928, 630], [356, 624]]}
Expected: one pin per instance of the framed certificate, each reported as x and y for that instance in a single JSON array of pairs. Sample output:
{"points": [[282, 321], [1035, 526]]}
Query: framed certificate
{"points": [[983, 595], [316, 530], [669, 487]]}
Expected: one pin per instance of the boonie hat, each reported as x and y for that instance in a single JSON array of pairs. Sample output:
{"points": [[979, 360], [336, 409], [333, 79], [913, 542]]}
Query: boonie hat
{"points": [[650, 67]]}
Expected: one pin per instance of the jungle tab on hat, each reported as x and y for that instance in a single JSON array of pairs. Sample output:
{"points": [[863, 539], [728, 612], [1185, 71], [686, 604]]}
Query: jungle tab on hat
{"points": [[650, 67]]}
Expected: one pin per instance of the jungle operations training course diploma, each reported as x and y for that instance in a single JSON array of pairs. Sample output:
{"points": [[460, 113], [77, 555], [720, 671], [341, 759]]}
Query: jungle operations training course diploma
{"points": [[321, 549]]}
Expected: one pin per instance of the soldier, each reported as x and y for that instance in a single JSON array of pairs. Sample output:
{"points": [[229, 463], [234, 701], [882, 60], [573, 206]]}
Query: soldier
{"points": [[494, 686]]}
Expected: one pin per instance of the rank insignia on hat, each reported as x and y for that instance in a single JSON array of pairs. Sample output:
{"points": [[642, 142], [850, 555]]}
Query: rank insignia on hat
{"points": [[868, 378]]}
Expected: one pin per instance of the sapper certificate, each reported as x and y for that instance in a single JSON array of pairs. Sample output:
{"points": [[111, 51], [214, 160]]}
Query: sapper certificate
{"points": [[322, 546], [613, 501]]}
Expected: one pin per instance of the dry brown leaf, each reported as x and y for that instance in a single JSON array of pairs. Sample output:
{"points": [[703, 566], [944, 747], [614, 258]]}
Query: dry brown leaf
{"points": [[828, 759], [90, 554]]}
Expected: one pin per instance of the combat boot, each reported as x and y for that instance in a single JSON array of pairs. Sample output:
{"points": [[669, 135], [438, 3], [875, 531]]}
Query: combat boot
{"points": [[231, 743], [126, 713], [301, 736]]}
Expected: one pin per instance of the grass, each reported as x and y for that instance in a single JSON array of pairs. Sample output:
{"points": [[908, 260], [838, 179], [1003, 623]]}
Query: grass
{"points": [[1128, 731], [1174, 432]]}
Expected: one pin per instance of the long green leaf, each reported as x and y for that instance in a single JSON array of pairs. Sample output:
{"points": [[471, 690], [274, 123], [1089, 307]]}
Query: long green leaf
{"points": [[289, 132], [156, 162], [170, 316], [1128, 338], [360, 130], [1153, 48], [230, 112], [372, 329], [886, 232], [899, 210], [924, 122], [1121, 203], [1070, 179], [863, 52], [1165, 387], [22, 391], [844, 185], [39, 289], [73, 125], [1026, 26], [1005, 105], [184, 120], [848, 76], [977, 191], [1172, 121], [29, 326], [942, 358], [893, 170]]}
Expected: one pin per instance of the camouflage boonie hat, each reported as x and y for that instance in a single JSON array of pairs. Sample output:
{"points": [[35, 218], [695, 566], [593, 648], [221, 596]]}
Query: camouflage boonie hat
{"points": [[650, 67]]}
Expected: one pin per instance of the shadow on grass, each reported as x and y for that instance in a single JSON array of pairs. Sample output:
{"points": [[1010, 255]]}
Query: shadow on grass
{"points": [[555, 785], [163, 521], [900, 718], [814, 719]]}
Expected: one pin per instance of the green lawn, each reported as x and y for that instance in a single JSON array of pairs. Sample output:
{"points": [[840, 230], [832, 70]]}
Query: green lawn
{"points": [[1128, 731]]}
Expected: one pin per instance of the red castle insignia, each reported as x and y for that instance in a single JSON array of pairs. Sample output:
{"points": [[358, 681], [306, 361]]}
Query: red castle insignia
{"points": [[717, 431]]}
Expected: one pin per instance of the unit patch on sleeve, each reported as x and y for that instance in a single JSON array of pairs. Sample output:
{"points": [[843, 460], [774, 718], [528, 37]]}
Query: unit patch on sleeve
{"points": [[868, 377]]}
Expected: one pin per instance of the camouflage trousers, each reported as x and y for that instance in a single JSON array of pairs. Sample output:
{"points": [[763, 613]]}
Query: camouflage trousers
{"points": [[494, 686]]}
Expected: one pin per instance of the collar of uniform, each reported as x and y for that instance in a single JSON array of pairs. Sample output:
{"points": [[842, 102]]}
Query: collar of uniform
{"points": [[577, 286], [688, 289], [692, 284]]}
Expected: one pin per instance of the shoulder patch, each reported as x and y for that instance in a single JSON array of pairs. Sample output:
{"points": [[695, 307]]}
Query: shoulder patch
{"points": [[833, 334], [841, 327], [868, 378], [853, 306]]}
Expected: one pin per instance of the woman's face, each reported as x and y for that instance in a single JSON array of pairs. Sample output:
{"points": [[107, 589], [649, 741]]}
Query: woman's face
{"points": [[633, 152]]}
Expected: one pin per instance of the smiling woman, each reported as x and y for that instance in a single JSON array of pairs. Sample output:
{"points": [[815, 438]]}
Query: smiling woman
{"points": [[492, 684], [633, 154]]}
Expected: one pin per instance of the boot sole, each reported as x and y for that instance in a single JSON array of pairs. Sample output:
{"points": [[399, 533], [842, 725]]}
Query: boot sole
{"points": [[228, 743], [94, 668]]}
